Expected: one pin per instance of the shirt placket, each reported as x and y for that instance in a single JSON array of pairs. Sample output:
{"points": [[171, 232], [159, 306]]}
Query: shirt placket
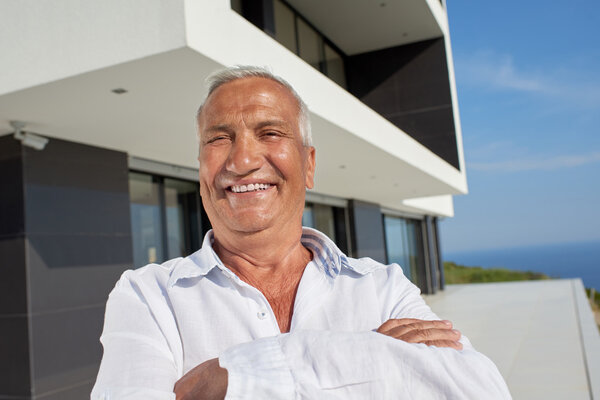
{"points": [[262, 311]]}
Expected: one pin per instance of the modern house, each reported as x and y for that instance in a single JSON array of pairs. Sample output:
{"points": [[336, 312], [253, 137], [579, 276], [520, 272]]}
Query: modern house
{"points": [[98, 153]]}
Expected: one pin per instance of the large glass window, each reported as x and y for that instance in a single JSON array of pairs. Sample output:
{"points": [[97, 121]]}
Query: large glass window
{"points": [[182, 216], [146, 222], [403, 244], [285, 29], [309, 44], [334, 66], [329, 220], [320, 217], [236, 5], [165, 218], [295, 33]]}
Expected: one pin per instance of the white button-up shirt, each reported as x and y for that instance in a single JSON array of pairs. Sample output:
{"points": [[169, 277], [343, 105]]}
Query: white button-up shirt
{"points": [[163, 320]]}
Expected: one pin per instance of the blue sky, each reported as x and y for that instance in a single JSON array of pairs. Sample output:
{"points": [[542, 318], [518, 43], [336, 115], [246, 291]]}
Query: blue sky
{"points": [[528, 81]]}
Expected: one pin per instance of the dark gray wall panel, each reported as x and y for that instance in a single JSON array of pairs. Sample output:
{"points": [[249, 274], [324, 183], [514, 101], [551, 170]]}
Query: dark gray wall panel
{"points": [[14, 357], [76, 250], [409, 85], [68, 286], [66, 348], [74, 188], [77, 223], [13, 285], [74, 243], [80, 392], [432, 130], [367, 230], [68, 209], [70, 164], [12, 220]]}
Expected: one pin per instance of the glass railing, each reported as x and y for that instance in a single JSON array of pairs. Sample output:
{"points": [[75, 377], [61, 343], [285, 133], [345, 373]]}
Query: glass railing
{"points": [[298, 35]]}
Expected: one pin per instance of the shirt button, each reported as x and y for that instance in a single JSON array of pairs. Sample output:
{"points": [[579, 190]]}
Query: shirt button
{"points": [[262, 314]]}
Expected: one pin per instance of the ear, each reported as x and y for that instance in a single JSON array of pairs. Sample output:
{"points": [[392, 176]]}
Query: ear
{"points": [[310, 167]]}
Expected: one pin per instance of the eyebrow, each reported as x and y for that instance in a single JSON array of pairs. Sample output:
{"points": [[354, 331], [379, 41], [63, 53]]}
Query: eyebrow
{"points": [[220, 128], [272, 122], [262, 124]]}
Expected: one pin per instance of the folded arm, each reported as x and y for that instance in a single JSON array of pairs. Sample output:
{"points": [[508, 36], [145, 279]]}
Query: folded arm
{"points": [[140, 362], [209, 380]]}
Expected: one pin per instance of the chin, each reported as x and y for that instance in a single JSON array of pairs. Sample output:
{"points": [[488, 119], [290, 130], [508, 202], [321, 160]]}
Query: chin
{"points": [[251, 223]]}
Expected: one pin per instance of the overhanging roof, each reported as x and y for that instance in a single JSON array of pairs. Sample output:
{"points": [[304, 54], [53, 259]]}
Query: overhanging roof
{"points": [[358, 26], [359, 153]]}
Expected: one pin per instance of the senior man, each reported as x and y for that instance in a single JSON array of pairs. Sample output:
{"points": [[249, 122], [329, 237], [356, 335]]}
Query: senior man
{"points": [[266, 308]]}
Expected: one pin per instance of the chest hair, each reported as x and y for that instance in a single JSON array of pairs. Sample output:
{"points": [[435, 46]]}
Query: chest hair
{"points": [[281, 295]]}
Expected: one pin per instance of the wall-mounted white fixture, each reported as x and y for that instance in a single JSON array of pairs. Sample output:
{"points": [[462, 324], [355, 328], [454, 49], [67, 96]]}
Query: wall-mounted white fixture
{"points": [[27, 138]]}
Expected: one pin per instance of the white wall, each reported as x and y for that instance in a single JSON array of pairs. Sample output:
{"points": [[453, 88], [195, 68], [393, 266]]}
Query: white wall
{"points": [[43, 41]]}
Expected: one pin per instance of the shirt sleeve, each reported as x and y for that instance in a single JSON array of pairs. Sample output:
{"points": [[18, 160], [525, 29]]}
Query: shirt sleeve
{"points": [[350, 365], [138, 361], [361, 365]]}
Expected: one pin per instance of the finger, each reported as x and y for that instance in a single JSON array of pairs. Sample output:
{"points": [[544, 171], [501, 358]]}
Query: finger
{"points": [[393, 323], [420, 325], [426, 335], [445, 343]]}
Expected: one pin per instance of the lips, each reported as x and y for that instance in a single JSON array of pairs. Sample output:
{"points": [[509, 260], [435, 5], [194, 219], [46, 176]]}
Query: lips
{"points": [[252, 187]]}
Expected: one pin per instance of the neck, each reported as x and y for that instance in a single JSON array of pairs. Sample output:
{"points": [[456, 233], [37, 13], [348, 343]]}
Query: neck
{"points": [[264, 252], [271, 262]]}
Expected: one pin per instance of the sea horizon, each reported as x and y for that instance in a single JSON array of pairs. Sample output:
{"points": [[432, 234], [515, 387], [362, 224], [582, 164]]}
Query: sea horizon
{"points": [[557, 260]]}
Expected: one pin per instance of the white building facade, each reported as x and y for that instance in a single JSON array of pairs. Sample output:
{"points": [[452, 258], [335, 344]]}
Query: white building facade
{"points": [[114, 87]]}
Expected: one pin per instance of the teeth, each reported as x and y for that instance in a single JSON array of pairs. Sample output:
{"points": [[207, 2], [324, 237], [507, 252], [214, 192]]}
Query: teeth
{"points": [[252, 187]]}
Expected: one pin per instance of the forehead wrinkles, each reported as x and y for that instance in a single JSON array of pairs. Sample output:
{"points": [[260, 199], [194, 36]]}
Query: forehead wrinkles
{"points": [[251, 97]]}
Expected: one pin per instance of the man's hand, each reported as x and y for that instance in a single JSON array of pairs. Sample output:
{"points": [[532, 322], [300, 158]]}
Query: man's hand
{"points": [[207, 381], [431, 333]]}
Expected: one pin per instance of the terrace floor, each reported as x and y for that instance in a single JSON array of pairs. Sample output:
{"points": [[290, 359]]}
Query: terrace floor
{"points": [[541, 334]]}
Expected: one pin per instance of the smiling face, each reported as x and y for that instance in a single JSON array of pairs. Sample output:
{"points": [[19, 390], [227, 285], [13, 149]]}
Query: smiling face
{"points": [[254, 167]]}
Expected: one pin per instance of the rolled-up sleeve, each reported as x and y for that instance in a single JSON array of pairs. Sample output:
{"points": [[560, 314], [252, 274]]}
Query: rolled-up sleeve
{"points": [[138, 361], [351, 365]]}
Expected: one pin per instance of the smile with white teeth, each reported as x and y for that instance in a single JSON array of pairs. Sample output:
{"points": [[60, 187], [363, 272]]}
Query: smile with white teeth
{"points": [[253, 187]]}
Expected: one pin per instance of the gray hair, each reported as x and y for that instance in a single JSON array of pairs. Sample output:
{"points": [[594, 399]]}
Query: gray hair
{"points": [[221, 77]]}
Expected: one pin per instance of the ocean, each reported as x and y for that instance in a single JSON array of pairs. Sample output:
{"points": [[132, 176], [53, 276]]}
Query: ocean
{"points": [[569, 260]]}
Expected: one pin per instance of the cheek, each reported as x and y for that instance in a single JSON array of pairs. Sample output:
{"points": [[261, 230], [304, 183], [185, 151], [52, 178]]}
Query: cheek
{"points": [[288, 161], [210, 163]]}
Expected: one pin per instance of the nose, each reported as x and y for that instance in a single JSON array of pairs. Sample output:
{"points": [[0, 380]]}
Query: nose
{"points": [[244, 155]]}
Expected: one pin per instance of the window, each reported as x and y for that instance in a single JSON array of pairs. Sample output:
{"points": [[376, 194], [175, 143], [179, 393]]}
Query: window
{"points": [[285, 28], [334, 66], [236, 5], [165, 218], [295, 33], [146, 221], [321, 218], [329, 220], [404, 244], [309, 44], [182, 215]]}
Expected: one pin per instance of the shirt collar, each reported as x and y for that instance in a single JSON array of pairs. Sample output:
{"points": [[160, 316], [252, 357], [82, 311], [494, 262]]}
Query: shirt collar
{"points": [[328, 258], [197, 264]]}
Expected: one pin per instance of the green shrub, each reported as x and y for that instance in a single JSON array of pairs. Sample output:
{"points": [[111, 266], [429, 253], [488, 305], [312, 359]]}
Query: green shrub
{"points": [[454, 273]]}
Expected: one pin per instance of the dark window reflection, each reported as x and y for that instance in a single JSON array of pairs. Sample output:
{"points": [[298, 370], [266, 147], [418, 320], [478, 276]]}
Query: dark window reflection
{"points": [[402, 239], [309, 44], [285, 28], [165, 218], [334, 66], [182, 213], [146, 223], [329, 220], [307, 216]]}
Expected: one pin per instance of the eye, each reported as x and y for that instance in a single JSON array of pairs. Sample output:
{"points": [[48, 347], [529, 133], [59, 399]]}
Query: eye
{"points": [[269, 134], [217, 139]]}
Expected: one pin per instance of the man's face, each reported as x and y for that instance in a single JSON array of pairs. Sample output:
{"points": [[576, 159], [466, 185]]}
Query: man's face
{"points": [[254, 167]]}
